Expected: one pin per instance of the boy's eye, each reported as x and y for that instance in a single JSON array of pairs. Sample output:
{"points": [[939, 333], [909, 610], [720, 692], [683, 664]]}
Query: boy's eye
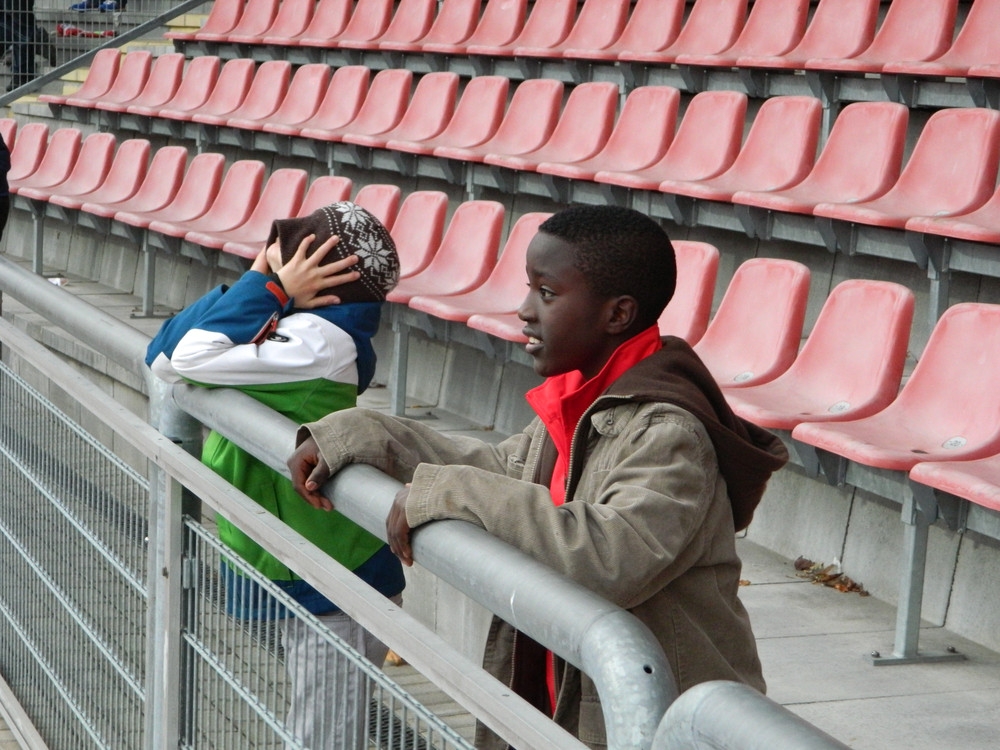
{"points": [[545, 292]]}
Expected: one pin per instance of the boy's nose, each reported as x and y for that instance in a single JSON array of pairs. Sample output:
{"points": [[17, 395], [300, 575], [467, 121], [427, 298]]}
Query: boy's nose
{"points": [[524, 310]]}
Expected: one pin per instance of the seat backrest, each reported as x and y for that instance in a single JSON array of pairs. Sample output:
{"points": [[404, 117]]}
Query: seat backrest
{"points": [[304, 93], [863, 154], [411, 21], [505, 286], [977, 41], [530, 118], [839, 29], [28, 150], [547, 24], [57, 161], [230, 87], [385, 103], [711, 27], [857, 346], [500, 24], [913, 30], [651, 26], [329, 19], [133, 72], [708, 137], [223, 16], [292, 18], [163, 81], [256, 19], [8, 131], [281, 197], [772, 27], [953, 383], [238, 195], [431, 106], [467, 252], [267, 90], [418, 229], [101, 75], [197, 83], [479, 111], [325, 190], [585, 122], [454, 23], [162, 179], [953, 165], [645, 127], [128, 169], [780, 147], [599, 24], [91, 165], [755, 332], [687, 313], [198, 188], [369, 20], [343, 97], [382, 201]]}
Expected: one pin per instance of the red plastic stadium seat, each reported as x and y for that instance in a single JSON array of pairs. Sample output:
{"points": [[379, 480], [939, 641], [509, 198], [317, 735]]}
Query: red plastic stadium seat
{"points": [[651, 26], [369, 20], [56, 163], [426, 115], [281, 197], [89, 170], [633, 144], [340, 102], [133, 72], [529, 121], [263, 97], [161, 84], [548, 23], [506, 326], [503, 289], [223, 16], [849, 367], [772, 28], [123, 178], [291, 19], [197, 190], [328, 19], [779, 151], [773, 294], [976, 43], [860, 161], [101, 74], [256, 18], [27, 151], [382, 109], [227, 94], [382, 201], [418, 229], [321, 192], [453, 24], [952, 170], [912, 30], [582, 130], [707, 141], [980, 225], [687, 313], [411, 20], [977, 481], [839, 29], [160, 184], [465, 256], [477, 116], [195, 86], [598, 25], [711, 27], [8, 131], [501, 22], [299, 102]]}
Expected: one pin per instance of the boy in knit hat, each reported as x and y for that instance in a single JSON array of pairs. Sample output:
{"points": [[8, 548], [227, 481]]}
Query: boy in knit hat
{"points": [[294, 332]]}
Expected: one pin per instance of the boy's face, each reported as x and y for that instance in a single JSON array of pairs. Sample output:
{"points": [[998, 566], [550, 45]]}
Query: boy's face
{"points": [[565, 321]]}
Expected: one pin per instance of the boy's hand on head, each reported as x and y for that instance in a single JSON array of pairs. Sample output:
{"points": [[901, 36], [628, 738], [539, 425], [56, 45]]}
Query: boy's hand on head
{"points": [[304, 278], [397, 528], [260, 263], [309, 473]]}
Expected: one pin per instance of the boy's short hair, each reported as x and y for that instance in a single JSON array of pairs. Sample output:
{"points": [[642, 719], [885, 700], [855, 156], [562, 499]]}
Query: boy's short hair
{"points": [[361, 234], [620, 251]]}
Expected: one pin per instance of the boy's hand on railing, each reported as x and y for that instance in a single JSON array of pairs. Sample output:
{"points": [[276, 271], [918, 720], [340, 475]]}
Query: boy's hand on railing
{"points": [[397, 528], [309, 473], [304, 278]]}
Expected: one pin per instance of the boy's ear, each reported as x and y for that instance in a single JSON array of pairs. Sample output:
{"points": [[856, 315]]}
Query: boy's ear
{"points": [[622, 312]]}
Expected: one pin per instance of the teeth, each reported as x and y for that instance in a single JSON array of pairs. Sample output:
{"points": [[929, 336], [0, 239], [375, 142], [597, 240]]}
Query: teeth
{"points": [[533, 340]]}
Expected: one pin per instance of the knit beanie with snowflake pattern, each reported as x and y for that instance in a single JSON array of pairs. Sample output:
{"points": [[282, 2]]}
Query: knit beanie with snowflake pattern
{"points": [[360, 234]]}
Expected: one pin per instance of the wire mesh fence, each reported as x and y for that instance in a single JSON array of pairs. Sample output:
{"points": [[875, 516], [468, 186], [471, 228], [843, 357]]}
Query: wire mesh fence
{"points": [[74, 608]]}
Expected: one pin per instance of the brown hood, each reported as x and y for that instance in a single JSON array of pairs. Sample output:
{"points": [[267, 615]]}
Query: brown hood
{"points": [[747, 454]]}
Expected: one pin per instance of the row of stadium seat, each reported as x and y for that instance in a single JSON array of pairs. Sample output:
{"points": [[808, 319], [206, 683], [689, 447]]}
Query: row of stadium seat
{"points": [[650, 42]]}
